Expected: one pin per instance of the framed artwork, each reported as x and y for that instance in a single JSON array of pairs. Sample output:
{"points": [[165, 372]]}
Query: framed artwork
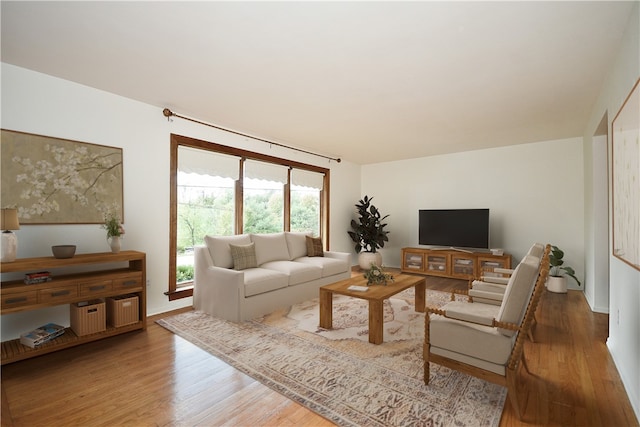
{"points": [[626, 180], [59, 181]]}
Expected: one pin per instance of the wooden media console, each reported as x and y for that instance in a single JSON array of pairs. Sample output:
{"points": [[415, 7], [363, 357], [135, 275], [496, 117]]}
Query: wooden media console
{"points": [[452, 263]]}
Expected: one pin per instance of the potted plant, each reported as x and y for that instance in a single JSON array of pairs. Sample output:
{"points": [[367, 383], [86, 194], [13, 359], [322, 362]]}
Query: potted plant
{"points": [[368, 233], [115, 230], [557, 280]]}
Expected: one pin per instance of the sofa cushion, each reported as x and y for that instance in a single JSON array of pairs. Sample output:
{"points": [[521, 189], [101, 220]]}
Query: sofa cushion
{"points": [[270, 247], [330, 266], [260, 280], [298, 272], [244, 256], [314, 246], [297, 244], [219, 248]]}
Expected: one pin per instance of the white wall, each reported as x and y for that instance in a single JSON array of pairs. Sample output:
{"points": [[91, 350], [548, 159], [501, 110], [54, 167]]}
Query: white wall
{"points": [[597, 229], [36, 103], [534, 193], [624, 280]]}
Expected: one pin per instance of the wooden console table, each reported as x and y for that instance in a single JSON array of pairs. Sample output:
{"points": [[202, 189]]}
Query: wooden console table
{"points": [[452, 263], [111, 275]]}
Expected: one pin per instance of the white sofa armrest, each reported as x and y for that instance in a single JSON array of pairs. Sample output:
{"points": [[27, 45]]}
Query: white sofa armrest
{"points": [[216, 291]]}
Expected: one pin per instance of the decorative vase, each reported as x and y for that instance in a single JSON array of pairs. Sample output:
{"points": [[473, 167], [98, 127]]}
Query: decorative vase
{"points": [[114, 242], [9, 246], [366, 258], [557, 284]]}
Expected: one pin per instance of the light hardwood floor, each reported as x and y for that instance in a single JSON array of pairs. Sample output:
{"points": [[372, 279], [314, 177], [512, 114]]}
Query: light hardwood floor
{"points": [[155, 378]]}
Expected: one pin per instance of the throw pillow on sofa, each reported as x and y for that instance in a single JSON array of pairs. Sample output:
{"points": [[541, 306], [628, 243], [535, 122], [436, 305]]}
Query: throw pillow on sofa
{"points": [[244, 256], [219, 248], [314, 246]]}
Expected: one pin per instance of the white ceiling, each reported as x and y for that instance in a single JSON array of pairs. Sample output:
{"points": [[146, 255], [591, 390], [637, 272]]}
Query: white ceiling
{"points": [[365, 81]]}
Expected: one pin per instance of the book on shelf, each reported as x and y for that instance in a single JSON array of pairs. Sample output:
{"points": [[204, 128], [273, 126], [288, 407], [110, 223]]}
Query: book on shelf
{"points": [[41, 335], [39, 277]]}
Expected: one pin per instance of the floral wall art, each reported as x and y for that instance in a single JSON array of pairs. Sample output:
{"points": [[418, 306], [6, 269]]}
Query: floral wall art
{"points": [[626, 180], [58, 181]]}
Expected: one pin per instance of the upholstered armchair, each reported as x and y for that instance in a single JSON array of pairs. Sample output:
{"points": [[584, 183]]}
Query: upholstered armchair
{"points": [[489, 289], [485, 340]]}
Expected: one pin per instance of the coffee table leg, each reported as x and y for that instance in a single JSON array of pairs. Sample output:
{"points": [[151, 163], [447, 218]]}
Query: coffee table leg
{"points": [[376, 318], [326, 309], [421, 296]]}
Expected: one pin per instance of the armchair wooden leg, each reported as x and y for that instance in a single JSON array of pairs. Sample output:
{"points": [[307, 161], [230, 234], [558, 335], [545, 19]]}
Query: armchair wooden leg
{"points": [[513, 394], [524, 364], [533, 325], [426, 347], [425, 356], [530, 335]]}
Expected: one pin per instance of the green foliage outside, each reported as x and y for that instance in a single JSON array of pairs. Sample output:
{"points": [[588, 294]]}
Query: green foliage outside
{"points": [[305, 212], [209, 214], [184, 273], [263, 213]]}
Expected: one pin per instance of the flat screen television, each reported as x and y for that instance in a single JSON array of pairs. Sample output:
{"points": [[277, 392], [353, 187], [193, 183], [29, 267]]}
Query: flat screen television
{"points": [[456, 228]]}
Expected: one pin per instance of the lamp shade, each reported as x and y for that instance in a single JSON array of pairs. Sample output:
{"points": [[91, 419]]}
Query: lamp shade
{"points": [[9, 219]]}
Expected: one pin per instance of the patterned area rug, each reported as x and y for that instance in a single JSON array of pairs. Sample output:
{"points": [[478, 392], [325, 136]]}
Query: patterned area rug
{"points": [[338, 374]]}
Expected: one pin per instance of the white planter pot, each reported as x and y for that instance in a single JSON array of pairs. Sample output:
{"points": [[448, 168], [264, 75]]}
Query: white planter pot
{"points": [[366, 258], [114, 242], [557, 284]]}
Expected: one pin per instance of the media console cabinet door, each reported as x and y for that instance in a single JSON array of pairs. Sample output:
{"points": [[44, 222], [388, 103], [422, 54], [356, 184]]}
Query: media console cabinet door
{"points": [[463, 266], [413, 261]]}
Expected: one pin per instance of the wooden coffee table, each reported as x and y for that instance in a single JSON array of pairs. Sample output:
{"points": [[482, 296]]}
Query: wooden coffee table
{"points": [[375, 294]]}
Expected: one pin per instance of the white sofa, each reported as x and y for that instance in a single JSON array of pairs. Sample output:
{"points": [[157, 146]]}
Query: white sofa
{"points": [[284, 274]]}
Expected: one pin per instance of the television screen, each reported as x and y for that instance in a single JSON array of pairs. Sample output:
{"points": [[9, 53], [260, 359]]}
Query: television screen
{"points": [[458, 228]]}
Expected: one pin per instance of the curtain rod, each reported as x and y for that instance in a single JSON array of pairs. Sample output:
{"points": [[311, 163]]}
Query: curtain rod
{"points": [[168, 114]]}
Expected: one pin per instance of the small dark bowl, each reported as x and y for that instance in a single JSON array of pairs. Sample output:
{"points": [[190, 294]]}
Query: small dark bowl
{"points": [[63, 251]]}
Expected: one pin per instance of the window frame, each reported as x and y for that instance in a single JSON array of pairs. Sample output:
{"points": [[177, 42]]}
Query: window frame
{"points": [[174, 292]]}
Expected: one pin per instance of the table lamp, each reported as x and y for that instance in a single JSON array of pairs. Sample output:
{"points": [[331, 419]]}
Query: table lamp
{"points": [[8, 222]]}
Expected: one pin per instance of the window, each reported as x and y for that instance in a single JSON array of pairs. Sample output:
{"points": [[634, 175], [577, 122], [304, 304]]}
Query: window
{"points": [[263, 191], [205, 203], [306, 190], [222, 190]]}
